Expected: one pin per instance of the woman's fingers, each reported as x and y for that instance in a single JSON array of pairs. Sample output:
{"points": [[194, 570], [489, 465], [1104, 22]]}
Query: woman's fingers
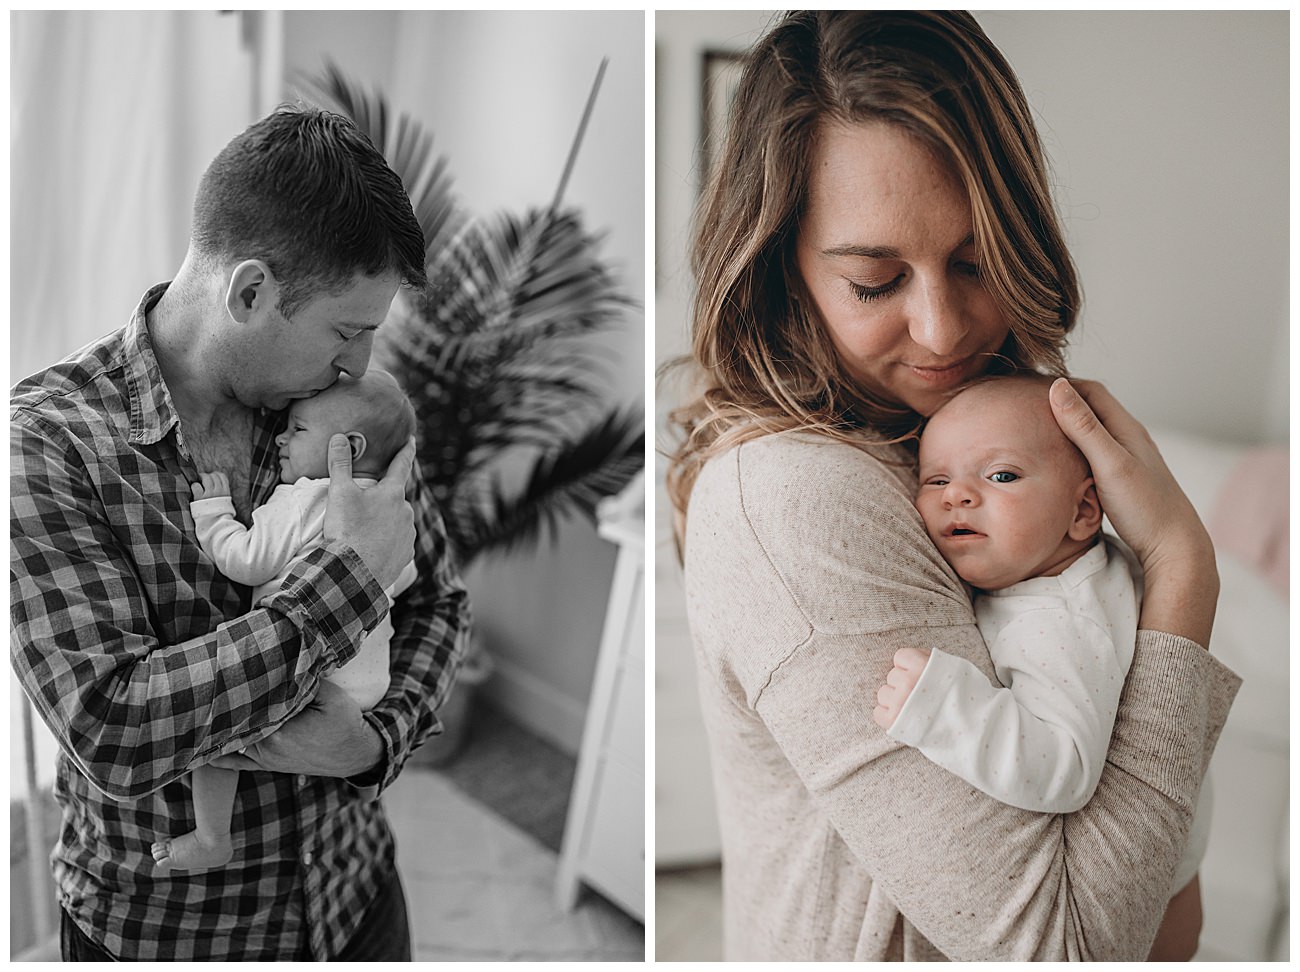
{"points": [[1080, 423]]}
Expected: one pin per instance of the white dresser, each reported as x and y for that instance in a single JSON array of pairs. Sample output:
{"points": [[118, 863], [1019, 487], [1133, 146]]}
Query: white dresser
{"points": [[604, 836]]}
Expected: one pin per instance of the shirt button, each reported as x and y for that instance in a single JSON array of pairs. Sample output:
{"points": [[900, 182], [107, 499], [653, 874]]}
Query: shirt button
{"points": [[307, 859]]}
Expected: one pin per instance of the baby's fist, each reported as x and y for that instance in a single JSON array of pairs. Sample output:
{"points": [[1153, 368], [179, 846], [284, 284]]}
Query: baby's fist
{"points": [[909, 663], [213, 484]]}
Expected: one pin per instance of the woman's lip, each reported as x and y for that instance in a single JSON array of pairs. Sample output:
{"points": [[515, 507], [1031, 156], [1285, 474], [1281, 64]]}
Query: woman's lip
{"points": [[950, 374]]}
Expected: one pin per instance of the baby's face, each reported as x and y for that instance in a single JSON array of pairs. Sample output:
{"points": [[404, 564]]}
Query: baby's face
{"points": [[305, 442], [999, 488]]}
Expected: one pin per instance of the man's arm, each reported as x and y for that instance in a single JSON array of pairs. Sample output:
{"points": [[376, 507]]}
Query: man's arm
{"points": [[132, 712], [430, 634], [431, 627]]}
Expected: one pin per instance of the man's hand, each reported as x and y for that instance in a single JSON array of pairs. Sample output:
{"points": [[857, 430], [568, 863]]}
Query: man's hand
{"points": [[909, 663], [377, 522], [211, 485], [328, 738]]}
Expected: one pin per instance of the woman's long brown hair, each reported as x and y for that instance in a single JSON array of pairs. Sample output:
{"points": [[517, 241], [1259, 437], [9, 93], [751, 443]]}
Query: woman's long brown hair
{"points": [[761, 359]]}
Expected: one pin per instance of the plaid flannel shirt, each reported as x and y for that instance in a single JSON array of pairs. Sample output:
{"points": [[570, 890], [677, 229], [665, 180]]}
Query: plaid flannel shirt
{"points": [[145, 662]]}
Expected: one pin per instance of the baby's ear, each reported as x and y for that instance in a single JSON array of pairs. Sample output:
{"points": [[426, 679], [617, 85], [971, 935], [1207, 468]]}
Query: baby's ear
{"points": [[1087, 513], [357, 443]]}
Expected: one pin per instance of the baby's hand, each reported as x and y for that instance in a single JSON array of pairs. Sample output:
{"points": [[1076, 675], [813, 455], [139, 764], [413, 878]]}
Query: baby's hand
{"points": [[909, 663], [213, 484]]}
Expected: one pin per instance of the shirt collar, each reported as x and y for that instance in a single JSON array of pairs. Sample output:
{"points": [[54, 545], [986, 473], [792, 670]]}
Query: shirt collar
{"points": [[153, 415]]}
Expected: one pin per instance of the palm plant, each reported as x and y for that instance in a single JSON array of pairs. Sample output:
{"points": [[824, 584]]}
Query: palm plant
{"points": [[514, 435]]}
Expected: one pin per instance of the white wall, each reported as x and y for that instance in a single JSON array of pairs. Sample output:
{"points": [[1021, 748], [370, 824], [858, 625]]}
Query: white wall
{"points": [[503, 93], [1168, 133]]}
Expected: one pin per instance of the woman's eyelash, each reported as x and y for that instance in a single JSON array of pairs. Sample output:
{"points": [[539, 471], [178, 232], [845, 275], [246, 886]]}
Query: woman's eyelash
{"points": [[867, 294]]}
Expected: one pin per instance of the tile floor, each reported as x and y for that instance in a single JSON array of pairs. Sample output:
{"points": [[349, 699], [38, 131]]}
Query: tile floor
{"points": [[688, 915], [480, 889]]}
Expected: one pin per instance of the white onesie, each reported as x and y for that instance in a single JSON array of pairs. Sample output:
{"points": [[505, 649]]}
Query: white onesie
{"points": [[287, 527], [1062, 645]]}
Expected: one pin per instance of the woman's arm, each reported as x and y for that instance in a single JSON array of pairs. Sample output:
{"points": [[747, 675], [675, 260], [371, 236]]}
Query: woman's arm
{"points": [[837, 575], [1147, 508]]}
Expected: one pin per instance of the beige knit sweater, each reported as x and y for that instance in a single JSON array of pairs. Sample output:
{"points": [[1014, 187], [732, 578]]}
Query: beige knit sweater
{"points": [[806, 568]]}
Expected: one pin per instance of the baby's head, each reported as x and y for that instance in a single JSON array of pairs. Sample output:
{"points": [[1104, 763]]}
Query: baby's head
{"points": [[371, 411], [1005, 496]]}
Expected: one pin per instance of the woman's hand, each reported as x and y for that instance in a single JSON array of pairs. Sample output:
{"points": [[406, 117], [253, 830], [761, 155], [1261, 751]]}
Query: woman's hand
{"points": [[1146, 506]]}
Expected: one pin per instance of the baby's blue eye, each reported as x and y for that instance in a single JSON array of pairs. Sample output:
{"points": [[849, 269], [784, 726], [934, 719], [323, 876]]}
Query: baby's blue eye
{"points": [[1004, 477]]}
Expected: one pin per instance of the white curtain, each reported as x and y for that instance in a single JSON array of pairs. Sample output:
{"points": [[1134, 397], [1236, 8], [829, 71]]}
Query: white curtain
{"points": [[114, 116]]}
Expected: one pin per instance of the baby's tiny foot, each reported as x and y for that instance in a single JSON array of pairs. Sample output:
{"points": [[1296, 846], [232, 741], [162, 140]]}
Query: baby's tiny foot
{"points": [[193, 851]]}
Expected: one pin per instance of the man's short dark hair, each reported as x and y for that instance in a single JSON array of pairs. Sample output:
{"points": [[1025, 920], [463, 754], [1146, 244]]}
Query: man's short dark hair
{"points": [[305, 191]]}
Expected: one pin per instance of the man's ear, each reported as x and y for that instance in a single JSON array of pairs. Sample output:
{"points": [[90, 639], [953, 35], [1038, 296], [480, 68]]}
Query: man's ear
{"points": [[357, 443], [252, 288], [1087, 513]]}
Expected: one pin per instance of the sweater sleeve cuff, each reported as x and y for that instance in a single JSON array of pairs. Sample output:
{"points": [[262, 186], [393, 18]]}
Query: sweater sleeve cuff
{"points": [[1172, 709]]}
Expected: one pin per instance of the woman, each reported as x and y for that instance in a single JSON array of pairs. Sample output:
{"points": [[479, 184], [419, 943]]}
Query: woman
{"points": [[879, 230]]}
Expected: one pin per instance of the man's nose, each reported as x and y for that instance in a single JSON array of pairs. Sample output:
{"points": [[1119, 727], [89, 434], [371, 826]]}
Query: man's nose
{"points": [[937, 318], [355, 356]]}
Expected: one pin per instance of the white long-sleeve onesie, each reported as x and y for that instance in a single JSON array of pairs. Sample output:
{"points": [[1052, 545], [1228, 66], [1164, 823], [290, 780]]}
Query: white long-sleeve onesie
{"points": [[285, 529], [1062, 646]]}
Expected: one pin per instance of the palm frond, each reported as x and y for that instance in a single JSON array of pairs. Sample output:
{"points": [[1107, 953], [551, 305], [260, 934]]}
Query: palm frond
{"points": [[568, 480], [491, 354], [407, 146]]}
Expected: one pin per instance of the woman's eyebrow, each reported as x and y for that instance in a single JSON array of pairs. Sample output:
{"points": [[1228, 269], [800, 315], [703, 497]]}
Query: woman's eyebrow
{"points": [[855, 249], [880, 252]]}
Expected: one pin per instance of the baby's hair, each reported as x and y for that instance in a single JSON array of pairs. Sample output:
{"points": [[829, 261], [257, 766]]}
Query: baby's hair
{"points": [[1022, 378], [387, 419]]}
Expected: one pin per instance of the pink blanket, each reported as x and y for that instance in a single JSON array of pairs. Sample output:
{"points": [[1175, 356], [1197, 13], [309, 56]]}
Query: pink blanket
{"points": [[1251, 515]]}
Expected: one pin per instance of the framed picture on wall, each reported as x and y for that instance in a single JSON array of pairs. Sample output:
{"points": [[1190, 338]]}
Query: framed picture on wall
{"points": [[719, 75]]}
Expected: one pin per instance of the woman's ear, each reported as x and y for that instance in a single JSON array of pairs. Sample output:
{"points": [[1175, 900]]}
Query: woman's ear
{"points": [[252, 288], [357, 443], [1087, 513]]}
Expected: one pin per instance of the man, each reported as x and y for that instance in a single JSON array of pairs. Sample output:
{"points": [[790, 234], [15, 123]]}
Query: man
{"points": [[144, 661]]}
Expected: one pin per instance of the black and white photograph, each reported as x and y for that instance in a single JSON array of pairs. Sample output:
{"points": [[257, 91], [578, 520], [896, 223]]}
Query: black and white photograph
{"points": [[326, 485], [901, 714]]}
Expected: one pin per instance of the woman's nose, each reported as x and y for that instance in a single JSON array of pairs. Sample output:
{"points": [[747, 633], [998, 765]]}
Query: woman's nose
{"points": [[937, 319]]}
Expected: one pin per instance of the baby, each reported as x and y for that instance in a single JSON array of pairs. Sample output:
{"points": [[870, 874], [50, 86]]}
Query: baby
{"points": [[378, 420], [1011, 505]]}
